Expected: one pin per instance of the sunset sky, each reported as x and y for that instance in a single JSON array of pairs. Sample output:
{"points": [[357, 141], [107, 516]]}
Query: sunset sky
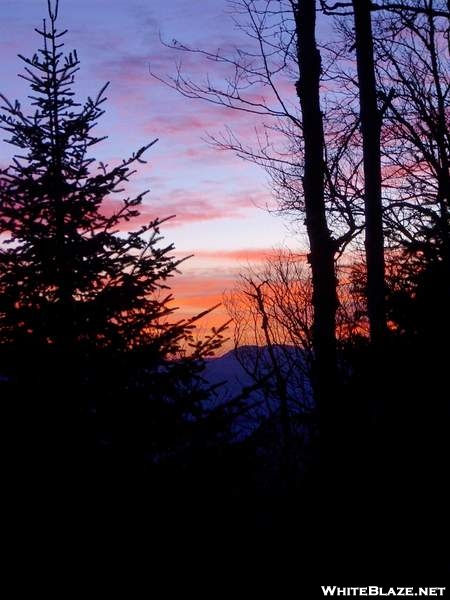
{"points": [[217, 198]]}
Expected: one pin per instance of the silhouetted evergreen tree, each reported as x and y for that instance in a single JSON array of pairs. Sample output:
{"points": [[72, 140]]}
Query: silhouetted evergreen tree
{"points": [[90, 357]]}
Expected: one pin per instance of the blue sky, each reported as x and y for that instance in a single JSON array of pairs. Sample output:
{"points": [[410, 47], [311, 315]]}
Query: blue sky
{"points": [[218, 198]]}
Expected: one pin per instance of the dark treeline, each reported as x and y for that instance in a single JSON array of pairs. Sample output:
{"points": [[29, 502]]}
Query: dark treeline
{"points": [[110, 420]]}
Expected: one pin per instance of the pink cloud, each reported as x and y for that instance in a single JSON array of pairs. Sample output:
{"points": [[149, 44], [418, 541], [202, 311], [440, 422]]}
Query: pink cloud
{"points": [[189, 206], [240, 255], [131, 74]]}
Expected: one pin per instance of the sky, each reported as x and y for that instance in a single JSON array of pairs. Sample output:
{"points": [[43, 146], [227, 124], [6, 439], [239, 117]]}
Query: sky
{"points": [[219, 200]]}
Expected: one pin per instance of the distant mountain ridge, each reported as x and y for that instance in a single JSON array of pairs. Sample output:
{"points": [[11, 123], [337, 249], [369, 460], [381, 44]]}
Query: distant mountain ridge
{"points": [[246, 376]]}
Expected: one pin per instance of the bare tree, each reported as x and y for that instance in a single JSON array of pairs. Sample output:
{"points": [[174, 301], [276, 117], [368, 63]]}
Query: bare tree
{"points": [[321, 149], [322, 245], [309, 177], [272, 313], [414, 61], [371, 132]]}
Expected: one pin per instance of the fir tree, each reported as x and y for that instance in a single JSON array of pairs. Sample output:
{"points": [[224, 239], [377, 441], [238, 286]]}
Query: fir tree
{"points": [[85, 309]]}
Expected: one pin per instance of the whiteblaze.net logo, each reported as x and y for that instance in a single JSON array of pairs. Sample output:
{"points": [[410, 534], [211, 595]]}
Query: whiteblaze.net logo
{"points": [[373, 590]]}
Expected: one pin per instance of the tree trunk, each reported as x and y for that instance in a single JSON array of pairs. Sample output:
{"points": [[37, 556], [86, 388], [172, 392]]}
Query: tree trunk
{"points": [[322, 246], [371, 131]]}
